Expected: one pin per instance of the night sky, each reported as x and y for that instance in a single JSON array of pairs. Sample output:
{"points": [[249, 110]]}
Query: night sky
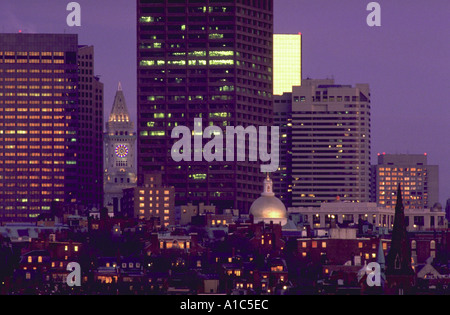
{"points": [[405, 60]]}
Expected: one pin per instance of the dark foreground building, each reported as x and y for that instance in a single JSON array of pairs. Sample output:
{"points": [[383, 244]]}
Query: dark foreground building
{"points": [[210, 60]]}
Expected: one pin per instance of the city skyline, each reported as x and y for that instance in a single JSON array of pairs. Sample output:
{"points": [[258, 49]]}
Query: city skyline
{"points": [[402, 62], [189, 216]]}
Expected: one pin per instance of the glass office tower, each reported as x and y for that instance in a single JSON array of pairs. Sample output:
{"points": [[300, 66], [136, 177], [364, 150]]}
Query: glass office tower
{"points": [[287, 62], [203, 59]]}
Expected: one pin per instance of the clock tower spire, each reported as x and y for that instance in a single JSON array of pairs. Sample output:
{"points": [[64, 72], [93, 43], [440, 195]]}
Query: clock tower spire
{"points": [[119, 144]]}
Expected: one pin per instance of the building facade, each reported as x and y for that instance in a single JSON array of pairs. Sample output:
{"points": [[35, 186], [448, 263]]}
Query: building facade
{"points": [[210, 60], [330, 141], [151, 199], [351, 213], [419, 180], [40, 124], [282, 118], [119, 162], [90, 130], [287, 62], [187, 212]]}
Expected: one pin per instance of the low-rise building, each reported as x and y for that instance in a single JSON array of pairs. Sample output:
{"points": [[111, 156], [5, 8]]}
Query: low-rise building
{"points": [[186, 212], [150, 199], [351, 213]]}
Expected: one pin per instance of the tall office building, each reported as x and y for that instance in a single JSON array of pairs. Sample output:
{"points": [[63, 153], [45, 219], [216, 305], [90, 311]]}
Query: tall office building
{"points": [[90, 130], [287, 62], [40, 124], [282, 178], [419, 181], [210, 60], [329, 140], [287, 72]]}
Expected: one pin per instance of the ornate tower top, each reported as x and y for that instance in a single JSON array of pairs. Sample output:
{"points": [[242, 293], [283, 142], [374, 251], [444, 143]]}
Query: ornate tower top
{"points": [[119, 158], [268, 187], [119, 119]]}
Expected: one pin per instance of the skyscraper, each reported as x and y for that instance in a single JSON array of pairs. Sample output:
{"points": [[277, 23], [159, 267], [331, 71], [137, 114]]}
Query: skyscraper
{"points": [[40, 119], [287, 62], [119, 163], [90, 130], [287, 72], [210, 60], [282, 179], [329, 140], [420, 181]]}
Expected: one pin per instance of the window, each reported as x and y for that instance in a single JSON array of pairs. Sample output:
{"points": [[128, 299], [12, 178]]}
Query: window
{"points": [[418, 220], [433, 244], [397, 263]]}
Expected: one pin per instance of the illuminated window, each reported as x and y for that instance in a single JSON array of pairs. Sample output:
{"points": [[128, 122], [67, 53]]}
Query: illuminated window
{"points": [[221, 62]]}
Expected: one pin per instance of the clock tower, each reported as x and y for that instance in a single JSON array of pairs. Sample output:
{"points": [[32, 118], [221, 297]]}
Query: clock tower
{"points": [[119, 163]]}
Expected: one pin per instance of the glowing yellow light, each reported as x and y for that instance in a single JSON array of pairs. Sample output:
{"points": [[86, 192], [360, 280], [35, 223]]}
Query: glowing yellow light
{"points": [[287, 62]]}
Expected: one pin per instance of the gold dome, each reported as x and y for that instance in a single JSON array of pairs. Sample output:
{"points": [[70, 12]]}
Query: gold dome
{"points": [[268, 207]]}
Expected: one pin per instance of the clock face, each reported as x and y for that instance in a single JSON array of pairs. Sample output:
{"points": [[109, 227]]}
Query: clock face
{"points": [[121, 150]]}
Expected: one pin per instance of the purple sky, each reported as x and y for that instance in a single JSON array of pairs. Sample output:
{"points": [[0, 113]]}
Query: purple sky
{"points": [[406, 61]]}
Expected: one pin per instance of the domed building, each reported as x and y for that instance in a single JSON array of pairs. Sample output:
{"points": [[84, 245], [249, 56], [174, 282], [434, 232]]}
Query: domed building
{"points": [[268, 208]]}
